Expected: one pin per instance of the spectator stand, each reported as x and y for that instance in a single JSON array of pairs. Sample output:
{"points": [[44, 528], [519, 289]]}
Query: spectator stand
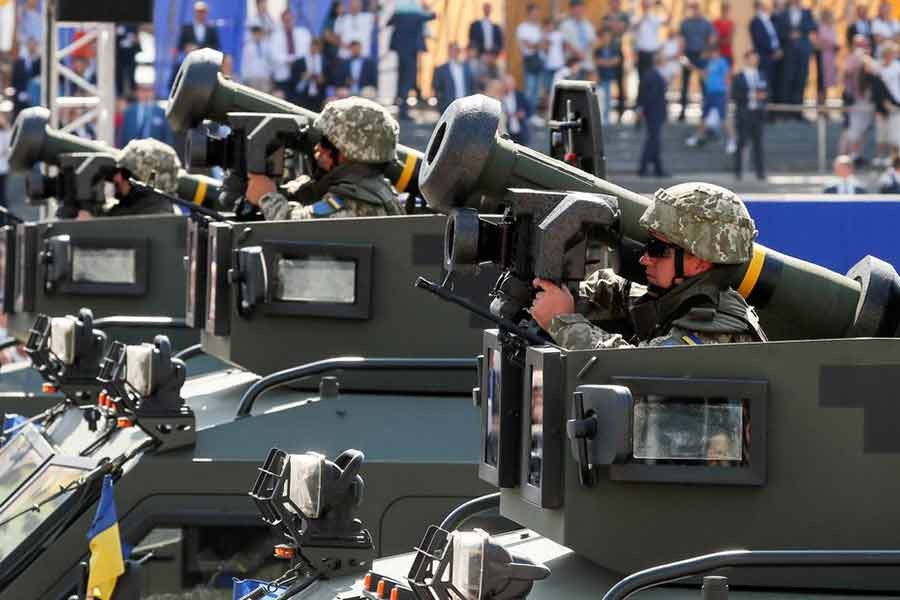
{"points": [[95, 99]]}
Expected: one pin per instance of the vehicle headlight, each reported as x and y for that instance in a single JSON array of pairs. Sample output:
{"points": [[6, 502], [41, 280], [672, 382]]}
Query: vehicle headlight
{"points": [[467, 568], [62, 338], [304, 487], [139, 368]]}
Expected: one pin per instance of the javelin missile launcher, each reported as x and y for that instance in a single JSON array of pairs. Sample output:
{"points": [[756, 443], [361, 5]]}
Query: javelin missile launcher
{"points": [[638, 468]]}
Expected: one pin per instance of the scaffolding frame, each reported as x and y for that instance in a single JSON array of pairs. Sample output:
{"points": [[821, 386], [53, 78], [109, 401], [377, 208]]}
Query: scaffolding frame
{"points": [[99, 98]]}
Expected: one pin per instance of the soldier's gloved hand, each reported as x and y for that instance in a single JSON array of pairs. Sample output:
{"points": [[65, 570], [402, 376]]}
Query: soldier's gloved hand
{"points": [[257, 187], [550, 302]]}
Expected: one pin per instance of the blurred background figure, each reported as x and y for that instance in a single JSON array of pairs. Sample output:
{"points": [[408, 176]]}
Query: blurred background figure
{"points": [[4, 156], [257, 63], [516, 110], [144, 118], [696, 33], [290, 45], [749, 91], [355, 26], [529, 36], [845, 183], [826, 54], [652, 109], [484, 34], [453, 79], [580, 35], [408, 40], [199, 32]]}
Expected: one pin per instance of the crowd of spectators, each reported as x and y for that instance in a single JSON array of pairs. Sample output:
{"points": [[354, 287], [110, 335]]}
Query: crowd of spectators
{"points": [[639, 56]]}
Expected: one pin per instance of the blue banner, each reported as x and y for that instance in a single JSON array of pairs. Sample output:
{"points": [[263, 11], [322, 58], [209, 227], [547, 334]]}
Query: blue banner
{"points": [[833, 233]]}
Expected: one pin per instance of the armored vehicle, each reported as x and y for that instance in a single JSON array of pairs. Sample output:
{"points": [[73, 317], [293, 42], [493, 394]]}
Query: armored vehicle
{"points": [[764, 467]]}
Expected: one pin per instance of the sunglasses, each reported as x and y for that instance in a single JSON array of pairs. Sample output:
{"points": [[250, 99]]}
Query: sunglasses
{"points": [[655, 248]]}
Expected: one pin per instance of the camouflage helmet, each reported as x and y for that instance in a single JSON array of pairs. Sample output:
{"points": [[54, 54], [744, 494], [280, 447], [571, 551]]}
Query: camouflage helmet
{"points": [[362, 130], [707, 220], [152, 162]]}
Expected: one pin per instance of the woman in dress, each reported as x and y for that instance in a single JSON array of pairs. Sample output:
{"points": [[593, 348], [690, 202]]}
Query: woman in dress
{"points": [[827, 47]]}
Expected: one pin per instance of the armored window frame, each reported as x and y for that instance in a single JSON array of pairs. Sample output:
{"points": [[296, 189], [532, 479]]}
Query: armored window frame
{"points": [[40, 444], [505, 473], [549, 492], [70, 462], [26, 267], [8, 269], [141, 247], [753, 393], [196, 265], [360, 254], [218, 262]]}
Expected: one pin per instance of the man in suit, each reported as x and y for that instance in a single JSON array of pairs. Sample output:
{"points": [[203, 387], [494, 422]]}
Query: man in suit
{"points": [[767, 47], [652, 108], [861, 25], [795, 25], [25, 68], [408, 40], [290, 43], [144, 118], [484, 34], [517, 111], [357, 72], [199, 32], [845, 183], [453, 79], [749, 90]]}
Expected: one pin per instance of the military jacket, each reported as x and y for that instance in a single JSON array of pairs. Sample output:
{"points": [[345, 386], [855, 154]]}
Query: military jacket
{"points": [[700, 310], [350, 190]]}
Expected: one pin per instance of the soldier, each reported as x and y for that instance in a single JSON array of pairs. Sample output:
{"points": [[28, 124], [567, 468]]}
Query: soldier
{"points": [[148, 161], [359, 138], [696, 229]]}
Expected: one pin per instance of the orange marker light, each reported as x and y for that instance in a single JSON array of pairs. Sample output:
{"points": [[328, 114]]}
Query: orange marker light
{"points": [[395, 593], [284, 552], [49, 388], [367, 582], [380, 590], [123, 423]]}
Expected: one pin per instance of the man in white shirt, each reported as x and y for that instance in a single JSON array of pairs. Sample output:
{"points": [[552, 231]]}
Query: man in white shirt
{"points": [[290, 43], [310, 87], [257, 62], [530, 37], [888, 127], [263, 20], [579, 34], [884, 27], [845, 183], [355, 25], [31, 24], [646, 33]]}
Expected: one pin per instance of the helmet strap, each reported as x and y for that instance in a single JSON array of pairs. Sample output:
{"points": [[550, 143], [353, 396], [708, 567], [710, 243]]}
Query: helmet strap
{"points": [[679, 262]]}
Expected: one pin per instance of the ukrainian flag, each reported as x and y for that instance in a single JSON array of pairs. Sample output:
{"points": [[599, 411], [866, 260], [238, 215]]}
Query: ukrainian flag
{"points": [[107, 562]]}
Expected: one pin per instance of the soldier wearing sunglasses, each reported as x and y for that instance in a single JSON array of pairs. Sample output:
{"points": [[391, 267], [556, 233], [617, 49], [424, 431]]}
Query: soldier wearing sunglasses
{"points": [[696, 231]]}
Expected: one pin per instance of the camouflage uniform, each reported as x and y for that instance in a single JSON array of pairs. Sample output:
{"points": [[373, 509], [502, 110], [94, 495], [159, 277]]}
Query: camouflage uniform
{"points": [[366, 134], [154, 163], [709, 222]]}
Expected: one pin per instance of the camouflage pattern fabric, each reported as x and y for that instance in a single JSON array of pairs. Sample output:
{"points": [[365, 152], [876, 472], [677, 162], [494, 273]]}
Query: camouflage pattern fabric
{"points": [[276, 207], [362, 130], [151, 162], [351, 190], [707, 220], [575, 332], [604, 296]]}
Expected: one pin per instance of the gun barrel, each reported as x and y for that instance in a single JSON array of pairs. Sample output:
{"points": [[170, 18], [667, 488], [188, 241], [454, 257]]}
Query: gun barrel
{"points": [[200, 91], [467, 159]]}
